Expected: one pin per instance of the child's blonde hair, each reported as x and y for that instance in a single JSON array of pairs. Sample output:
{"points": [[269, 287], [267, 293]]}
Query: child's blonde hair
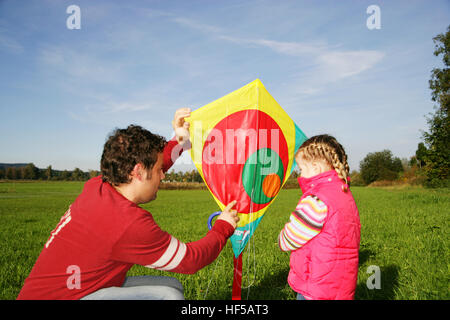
{"points": [[325, 147]]}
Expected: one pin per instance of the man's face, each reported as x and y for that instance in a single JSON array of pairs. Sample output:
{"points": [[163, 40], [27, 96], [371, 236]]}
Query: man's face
{"points": [[149, 185]]}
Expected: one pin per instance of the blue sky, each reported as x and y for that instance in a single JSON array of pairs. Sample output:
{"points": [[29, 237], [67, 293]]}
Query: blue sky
{"points": [[63, 91]]}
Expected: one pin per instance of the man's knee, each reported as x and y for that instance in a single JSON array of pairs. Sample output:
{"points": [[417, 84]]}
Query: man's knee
{"points": [[174, 283], [171, 293]]}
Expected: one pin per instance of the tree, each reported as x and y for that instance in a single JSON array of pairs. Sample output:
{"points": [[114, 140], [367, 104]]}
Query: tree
{"points": [[66, 175], [48, 172], [397, 165], [437, 138], [30, 171], [380, 166], [77, 174], [356, 179], [19, 172], [413, 161], [197, 176], [10, 173], [421, 154], [93, 173]]}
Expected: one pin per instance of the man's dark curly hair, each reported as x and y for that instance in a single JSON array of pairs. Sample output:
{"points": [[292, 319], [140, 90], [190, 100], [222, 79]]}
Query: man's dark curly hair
{"points": [[127, 147]]}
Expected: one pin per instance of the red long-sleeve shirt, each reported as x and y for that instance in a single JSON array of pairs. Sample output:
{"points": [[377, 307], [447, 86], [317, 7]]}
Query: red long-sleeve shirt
{"points": [[103, 234]]}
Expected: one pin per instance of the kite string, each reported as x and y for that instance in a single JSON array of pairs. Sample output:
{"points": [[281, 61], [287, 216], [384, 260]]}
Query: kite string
{"points": [[212, 276], [250, 251], [251, 243], [251, 248]]}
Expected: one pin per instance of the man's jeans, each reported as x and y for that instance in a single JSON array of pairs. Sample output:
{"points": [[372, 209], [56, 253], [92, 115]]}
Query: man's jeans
{"points": [[141, 288]]}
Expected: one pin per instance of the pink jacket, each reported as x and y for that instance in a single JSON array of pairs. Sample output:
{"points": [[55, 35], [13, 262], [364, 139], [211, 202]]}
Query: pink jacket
{"points": [[326, 267]]}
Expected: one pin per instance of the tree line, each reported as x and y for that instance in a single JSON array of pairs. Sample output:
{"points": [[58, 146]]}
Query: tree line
{"points": [[31, 172], [376, 166]]}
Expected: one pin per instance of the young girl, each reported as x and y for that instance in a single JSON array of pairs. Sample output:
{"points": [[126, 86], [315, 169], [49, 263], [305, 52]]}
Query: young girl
{"points": [[324, 230]]}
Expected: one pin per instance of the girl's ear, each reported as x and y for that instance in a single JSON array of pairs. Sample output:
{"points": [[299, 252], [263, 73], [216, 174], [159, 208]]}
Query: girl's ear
{"points": [[320, 166], [316, 168]]}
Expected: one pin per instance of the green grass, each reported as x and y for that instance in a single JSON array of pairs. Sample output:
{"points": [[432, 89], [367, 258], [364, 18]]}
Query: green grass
{"points": [[404, 232]]}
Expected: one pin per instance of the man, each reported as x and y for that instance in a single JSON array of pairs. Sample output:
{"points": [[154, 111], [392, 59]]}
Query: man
{"points": [[105, 232]]}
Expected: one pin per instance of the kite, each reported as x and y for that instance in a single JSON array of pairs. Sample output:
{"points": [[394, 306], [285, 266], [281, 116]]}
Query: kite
{"points": [[243, 146]]}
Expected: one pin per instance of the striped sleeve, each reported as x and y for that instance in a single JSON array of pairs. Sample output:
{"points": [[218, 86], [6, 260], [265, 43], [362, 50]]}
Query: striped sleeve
{"points": [[306, 222], [172, 256]]}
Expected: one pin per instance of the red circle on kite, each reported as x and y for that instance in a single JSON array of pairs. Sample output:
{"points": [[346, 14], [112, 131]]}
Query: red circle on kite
{"points": [[226, 150]]}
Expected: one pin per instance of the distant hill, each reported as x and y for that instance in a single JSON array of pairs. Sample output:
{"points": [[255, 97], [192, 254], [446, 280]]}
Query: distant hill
{"points": [[12, 165]]}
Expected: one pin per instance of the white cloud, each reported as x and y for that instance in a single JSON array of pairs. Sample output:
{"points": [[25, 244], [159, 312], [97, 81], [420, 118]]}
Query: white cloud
{"points": [[196, 25], [287, 48], [128, 107], [336, 64], [343, 64], [326, 63]]}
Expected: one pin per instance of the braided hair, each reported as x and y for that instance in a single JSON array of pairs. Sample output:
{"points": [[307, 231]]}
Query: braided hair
{"points": [[327, 148]]}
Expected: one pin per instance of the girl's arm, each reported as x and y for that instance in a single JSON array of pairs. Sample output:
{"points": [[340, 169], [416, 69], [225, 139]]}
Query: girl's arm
{"points": [[305, 223]]}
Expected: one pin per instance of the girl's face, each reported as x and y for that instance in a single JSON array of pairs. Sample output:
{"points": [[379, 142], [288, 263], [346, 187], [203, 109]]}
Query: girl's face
{"points": [[307, 170], [310, 169]]}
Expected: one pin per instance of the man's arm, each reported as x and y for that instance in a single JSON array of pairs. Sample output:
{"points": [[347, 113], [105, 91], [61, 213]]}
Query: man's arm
{"points": [[144, 243], [190, 257], [171, 153]]}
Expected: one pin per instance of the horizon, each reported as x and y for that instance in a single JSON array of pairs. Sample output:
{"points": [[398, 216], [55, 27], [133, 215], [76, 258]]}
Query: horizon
{"points": [[64, 90]]}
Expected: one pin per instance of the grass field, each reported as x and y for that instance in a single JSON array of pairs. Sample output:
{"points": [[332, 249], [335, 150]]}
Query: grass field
{"points": [[404, 233]]}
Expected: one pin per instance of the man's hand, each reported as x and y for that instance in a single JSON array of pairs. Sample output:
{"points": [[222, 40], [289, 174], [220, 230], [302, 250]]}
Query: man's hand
{"points": [[229, 215], [180, 126]]}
